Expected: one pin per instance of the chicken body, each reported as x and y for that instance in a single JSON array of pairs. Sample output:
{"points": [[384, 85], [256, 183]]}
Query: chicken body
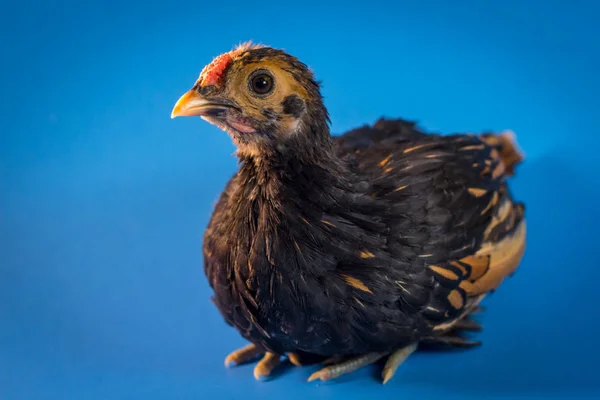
{"points": [[362, 244], [340, 260]]}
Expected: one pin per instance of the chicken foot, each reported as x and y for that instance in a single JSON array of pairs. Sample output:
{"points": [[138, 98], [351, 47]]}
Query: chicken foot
{"points": [[345, 367], [251, 352]]}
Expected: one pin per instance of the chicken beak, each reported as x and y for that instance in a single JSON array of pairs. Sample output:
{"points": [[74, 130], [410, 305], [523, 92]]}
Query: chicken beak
{"points": [[193, 104]]}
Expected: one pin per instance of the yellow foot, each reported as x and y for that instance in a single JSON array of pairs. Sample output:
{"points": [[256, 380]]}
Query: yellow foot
{"points": [[295, 359], [394, 360], [251, 352], [245, 354], [342, 368], [266, 365]]}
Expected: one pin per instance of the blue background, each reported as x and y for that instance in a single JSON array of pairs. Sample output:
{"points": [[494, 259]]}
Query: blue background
{"points": [[104, 198]]}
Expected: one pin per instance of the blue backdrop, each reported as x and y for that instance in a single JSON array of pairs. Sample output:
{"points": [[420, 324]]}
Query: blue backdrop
{"points": [[104, 198]]}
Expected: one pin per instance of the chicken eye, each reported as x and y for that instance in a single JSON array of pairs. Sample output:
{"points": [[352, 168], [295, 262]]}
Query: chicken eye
{"points": [[261, 83]]}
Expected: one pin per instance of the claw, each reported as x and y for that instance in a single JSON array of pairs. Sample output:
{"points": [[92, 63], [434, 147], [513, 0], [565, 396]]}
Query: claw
{"points": [[243, 355], [265, 366], [343, 368], [294, 359], [394, 360], [321, 374]]}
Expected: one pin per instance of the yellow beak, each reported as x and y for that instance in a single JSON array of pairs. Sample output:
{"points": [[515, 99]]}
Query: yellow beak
{"points": [[191, 104]]}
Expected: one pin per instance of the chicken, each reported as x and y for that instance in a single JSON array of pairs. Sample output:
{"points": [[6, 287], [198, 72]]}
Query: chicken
{"points": [[344, 250]]}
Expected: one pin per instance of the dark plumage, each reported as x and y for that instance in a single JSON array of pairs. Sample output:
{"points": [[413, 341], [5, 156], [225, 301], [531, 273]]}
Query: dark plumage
{"points": [[353, 246]]}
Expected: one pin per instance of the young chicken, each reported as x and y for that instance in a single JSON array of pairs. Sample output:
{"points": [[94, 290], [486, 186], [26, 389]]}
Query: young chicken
{"points": [[346, 250]]}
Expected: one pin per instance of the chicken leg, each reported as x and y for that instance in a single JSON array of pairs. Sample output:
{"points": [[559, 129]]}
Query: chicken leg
{"points": [[345, 367], [243, 355], [251, 352], [395, 359]]}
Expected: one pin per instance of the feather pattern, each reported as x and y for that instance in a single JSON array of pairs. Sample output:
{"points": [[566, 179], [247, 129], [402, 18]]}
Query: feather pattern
{"points": [[387, 236]]}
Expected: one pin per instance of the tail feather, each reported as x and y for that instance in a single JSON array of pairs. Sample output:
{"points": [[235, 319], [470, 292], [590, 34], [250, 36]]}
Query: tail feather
{"points": [[506, 145]]}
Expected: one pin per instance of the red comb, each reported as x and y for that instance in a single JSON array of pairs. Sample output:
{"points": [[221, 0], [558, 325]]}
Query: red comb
{"points": [[213, 72]]}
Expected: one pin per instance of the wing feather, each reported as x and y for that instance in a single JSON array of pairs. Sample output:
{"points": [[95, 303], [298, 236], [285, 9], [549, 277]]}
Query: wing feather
{"points": [[451, 214]]}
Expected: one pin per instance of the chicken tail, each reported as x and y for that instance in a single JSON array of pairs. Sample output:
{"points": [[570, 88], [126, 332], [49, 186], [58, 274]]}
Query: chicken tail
{"points": [[506, 144]]}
